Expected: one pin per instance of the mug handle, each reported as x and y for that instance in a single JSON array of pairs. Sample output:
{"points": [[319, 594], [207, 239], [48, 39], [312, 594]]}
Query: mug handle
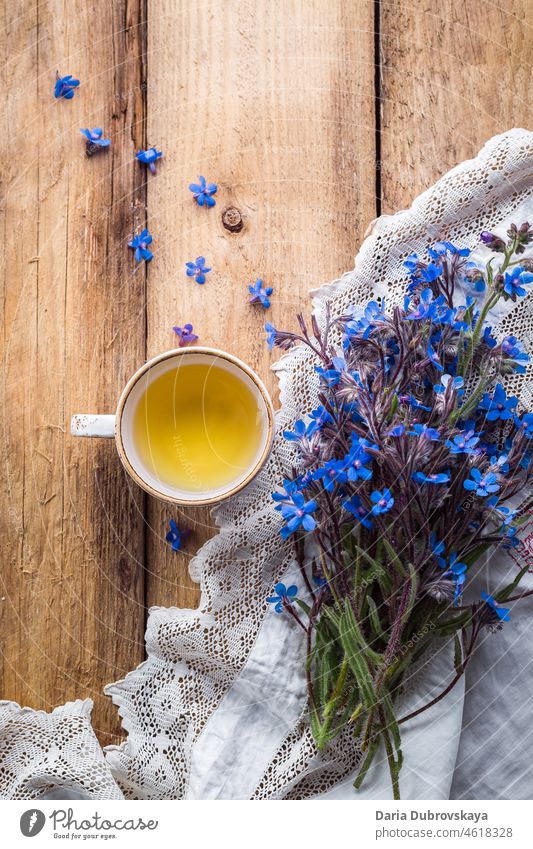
{"points": [[85, 424]]}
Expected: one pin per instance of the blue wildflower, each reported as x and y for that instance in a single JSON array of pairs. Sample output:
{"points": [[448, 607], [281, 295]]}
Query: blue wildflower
{"points": [[284, 595], [434, 478], [440, 248], [488, 338], [203, 192], [397, 430], [149, 157], [437, 547], [414, 402], [382, 501], [356, 462], [185, 334], [355, 506], [260, 294], [499, 406], [525, 424], [482, 485], [297, 514], [363, 325], [463, 443], [140, 244], [319, 418], [434, 357], [457, 571], [425, 307], [474, 279], [285, 497], [515, 280], [513, 352], [503, 613], [422, 430], [174, 536], [65, 87], [271, 334], [94, 140], [299, 433], [197, 269], [330, 376], [332, 472]]}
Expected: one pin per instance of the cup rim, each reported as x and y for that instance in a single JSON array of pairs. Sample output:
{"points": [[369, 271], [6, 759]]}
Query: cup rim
{"points": [[254, 470]]}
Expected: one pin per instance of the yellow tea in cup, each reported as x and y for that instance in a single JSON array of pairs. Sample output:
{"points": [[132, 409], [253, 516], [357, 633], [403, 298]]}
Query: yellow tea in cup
{"points": [[197, 427]]}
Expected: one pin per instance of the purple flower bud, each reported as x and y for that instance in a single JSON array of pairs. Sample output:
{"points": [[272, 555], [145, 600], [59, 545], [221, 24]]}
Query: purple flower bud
{"points": [[492, 241]]}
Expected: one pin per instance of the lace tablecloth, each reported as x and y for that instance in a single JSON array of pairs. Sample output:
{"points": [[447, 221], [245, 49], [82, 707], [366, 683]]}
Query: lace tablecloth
{"points": [[218, 708]]}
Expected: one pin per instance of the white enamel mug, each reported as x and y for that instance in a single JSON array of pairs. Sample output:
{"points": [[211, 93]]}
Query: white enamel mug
{"points": [[120, 425]]}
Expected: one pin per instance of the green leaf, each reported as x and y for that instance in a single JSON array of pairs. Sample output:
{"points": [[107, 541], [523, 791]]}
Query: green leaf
{"points": [[457, 654], [395, 560], [504, 594], [365, 766], [356, 660]]}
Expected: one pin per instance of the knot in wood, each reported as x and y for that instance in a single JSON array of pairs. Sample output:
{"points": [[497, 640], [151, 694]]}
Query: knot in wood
{"points": [[232, 219]]}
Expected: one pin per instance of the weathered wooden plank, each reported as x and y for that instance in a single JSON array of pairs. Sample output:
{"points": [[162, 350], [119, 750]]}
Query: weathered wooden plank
{"points": [[274, 102], [453, 74], [72, 612]]}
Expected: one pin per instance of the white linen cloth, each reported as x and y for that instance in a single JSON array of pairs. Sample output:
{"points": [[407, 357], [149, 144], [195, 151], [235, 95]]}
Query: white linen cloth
{"points": [[218, 708]]}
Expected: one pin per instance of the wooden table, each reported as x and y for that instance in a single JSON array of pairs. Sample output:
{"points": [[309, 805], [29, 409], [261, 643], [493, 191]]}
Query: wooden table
{"points": [[313, 116]]}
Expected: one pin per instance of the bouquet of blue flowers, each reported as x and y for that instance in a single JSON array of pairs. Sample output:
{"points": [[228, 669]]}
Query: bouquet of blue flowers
{"points": [[402, 479]]}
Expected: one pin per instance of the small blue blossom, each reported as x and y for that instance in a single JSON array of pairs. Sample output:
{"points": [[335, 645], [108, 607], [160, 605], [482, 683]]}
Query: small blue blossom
{"points": [[499, 406], [382, 501], [300, 432], [94, 140], [440, 248], [203, 192], [512, 351], [197, 269], [332, 472], [434, 357], [149, 157], [356, 463], [355, 506], [457, 571], [424, 309], [503, 613], [174, 536], [65, 87], [463, 443], [284, 595], [397, 430], [438, 548], [525, 424], [482, 485], [425, 432], [285, 497], [271, 334], [319, 418], [414, 402], [455, 384], [362, 325], [329, 376], [185, 334], [488, 338], [140, 244], [260, 294], [297, 514], [319, 580], [515, 280], [435, 478]]}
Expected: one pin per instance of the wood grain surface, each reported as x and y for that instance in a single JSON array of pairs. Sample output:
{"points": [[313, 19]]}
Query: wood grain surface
{"points": [[312, 117]]}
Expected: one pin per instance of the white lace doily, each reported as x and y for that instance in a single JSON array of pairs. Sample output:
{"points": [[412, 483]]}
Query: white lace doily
{"points": [[217, 709]]}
